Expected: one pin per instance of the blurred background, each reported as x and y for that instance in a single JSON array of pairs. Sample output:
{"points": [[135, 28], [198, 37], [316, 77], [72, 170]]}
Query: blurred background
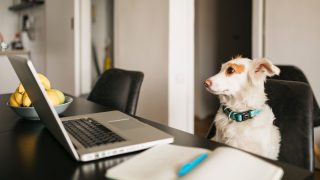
{"points": [[176, 43]]}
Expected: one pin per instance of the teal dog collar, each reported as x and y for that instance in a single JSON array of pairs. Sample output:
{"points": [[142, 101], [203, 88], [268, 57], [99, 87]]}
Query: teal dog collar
{"points": [[240, 116]]}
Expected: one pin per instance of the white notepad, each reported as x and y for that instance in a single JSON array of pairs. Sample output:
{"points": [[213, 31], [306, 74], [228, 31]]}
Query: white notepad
{"points": [[164, 162]]}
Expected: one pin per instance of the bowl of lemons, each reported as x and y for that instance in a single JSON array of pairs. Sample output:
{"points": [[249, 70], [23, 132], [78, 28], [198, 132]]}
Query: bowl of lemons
{"points": [[21, 104]]}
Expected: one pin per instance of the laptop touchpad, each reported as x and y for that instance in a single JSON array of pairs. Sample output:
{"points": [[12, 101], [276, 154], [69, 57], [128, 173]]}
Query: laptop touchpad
{"points": [[126, 124]]}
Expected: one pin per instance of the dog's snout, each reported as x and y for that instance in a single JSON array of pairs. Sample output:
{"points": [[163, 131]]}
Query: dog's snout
{"points": [[207, 83]]}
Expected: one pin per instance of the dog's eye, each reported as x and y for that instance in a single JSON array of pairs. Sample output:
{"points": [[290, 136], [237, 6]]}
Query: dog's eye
{"points": [[230, 70]]}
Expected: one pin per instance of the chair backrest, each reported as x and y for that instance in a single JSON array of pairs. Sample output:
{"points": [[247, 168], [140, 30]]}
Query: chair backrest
{"points": [[293, 73], [291, 103], [118, 89]]}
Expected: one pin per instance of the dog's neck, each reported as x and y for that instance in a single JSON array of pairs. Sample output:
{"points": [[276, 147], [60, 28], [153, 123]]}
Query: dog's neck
{"points": [[246, 99]]}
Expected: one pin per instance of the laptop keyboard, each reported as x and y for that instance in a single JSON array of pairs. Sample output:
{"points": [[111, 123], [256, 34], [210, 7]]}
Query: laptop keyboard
{"points": [[91, 133]]}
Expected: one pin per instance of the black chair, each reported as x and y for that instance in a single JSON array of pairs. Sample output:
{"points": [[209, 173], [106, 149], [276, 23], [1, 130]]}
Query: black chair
{"points": [[291, 103], [293, 73], [118, 89]]}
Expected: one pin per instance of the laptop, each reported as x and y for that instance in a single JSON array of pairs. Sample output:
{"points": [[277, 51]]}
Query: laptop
{"points": [[89, 136]]}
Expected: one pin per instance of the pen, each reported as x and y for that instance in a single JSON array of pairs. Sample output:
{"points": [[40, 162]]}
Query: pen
{"points": [[191, 165]]}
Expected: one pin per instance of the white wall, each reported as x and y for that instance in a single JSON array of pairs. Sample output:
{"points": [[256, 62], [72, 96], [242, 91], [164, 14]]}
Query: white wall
{"points": [[141, 43], [9, 25], [292, 36], [11, 22], [83, 39], [37, 47], [157, 38], [181, 65], [60, 46], [68, 46]]}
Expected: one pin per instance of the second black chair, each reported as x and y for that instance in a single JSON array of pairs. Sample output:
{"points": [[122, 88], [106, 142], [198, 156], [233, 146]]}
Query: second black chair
{"points": [[291, 103], [118, 89], [293, 73]]}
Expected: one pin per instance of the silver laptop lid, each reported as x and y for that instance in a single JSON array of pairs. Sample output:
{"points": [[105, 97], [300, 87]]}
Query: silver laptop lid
{"points": [[29, 78]]}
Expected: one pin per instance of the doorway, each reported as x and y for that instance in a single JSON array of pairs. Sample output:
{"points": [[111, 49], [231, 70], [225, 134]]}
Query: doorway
{"points": [[102, 37], [222, 31]]}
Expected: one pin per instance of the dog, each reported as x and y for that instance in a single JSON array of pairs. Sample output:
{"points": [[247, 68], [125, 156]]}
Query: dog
{"points": [[244, 120]]}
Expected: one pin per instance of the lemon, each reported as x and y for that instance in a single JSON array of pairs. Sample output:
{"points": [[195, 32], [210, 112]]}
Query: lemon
{"points": [[45, 81], [53, 97], [61, 96]]}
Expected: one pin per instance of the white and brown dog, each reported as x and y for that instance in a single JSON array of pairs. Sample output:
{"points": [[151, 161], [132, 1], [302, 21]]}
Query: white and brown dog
{"points": [[244, 120]]}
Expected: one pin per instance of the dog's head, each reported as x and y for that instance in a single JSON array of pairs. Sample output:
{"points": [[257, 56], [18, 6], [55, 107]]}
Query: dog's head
{"points": [[240, 73]]}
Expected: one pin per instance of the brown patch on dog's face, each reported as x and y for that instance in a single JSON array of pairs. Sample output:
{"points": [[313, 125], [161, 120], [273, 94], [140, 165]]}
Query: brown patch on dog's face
{"points": [[234, 68]]}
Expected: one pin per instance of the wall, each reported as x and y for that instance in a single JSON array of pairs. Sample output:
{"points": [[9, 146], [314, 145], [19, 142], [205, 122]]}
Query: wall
{"points": [[60, 47], [37, 46], [292, 36], [181, 64], [10, 24], [141, 43], [9, 20], [68, 46]]}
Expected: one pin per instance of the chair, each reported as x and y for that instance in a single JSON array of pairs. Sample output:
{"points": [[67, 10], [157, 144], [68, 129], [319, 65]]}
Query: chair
{"points": [[293, 73], [118, 89], [291, 103]]}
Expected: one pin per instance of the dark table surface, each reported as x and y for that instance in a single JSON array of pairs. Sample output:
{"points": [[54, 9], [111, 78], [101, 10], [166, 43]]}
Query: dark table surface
{"points": [[29, 151]]}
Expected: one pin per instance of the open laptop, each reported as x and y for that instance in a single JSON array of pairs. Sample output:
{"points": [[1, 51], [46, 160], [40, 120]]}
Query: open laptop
{"points": [[90, 136]]}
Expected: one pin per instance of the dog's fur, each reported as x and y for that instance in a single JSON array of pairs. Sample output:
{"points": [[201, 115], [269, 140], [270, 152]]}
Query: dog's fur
{"points": [[240, 86]]}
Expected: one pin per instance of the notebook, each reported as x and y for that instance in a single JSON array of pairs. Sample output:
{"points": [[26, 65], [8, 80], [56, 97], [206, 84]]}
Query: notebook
{"points": [[164, 162]]}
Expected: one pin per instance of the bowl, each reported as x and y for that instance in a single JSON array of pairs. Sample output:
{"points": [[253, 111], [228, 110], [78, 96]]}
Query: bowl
{"points": [[30, 113]]}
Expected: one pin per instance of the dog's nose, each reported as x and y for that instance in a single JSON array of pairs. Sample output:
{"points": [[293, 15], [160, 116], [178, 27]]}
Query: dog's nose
{"points": [[207, 83]]}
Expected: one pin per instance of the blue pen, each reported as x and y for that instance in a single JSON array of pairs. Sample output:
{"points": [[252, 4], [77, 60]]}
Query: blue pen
{"points": [[191, 165]]}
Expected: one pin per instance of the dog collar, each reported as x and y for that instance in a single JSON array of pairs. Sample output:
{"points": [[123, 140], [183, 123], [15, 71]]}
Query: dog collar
{"points": [[240, 116]]}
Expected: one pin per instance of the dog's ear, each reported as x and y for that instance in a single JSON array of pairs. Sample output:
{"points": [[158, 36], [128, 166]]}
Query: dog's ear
{"points": [[260, 68]]}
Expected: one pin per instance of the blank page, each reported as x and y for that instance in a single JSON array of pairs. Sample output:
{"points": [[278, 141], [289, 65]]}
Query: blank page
{"points": [[229, 164], [164, 162], [160, 162]]}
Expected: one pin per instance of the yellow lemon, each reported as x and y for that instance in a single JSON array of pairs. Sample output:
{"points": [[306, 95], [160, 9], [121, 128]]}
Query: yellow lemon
{"points": [[45, 81], [53, 97], [60, 95]]}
